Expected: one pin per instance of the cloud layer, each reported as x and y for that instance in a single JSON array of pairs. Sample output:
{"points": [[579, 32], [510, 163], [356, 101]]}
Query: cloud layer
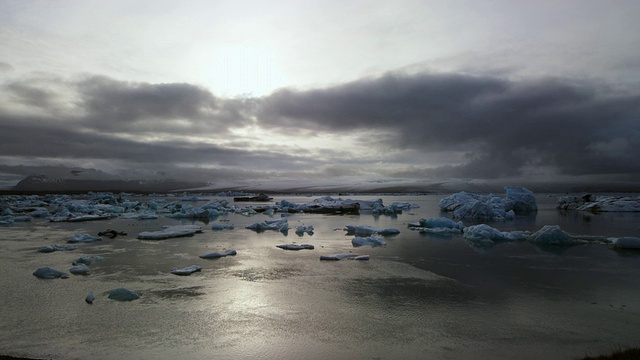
{"points": [[436, 125]]}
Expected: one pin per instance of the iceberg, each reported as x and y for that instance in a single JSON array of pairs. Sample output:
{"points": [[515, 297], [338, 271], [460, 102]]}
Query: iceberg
{"points": [[474, 206], [439, 226], [56, 247], [215, 255], [366, 230], [80, 269], [111, 233], [553, 235], [344, 256], [281, 225], [296, 246], [520, 200], [170, 232], [600, 204], [83, 238], [89, 299], [487, 235], [626, 243], [302, 229], [222, 227], [185, 271], [372, 241], [123, 294], [49, 273], [87, 260]]}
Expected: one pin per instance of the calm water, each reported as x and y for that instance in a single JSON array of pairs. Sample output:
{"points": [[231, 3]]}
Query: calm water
{"points": [[419, 297]]}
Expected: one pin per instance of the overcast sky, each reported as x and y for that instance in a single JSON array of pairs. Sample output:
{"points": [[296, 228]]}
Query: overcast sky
{"points": [[218, 90]]}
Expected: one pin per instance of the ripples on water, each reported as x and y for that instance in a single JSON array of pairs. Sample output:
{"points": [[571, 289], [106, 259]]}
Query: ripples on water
{"points": [[419, 297]]}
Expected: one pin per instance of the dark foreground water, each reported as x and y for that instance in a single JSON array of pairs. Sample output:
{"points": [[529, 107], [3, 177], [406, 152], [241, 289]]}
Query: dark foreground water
{"points": [[419, 297]]}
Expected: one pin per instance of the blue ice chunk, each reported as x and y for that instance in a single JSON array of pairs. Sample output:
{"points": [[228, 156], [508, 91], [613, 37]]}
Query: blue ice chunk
{"points": [[89, 299], [49, 273], [123, 294], [215, 255], [627, 243], [222, 227]]}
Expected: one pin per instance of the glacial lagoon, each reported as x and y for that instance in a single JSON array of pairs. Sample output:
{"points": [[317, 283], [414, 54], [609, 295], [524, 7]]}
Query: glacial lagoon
{"points": [[419, 296]]}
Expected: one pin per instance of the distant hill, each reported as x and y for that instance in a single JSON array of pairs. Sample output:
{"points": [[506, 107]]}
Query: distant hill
{"points": [[43, 183]]}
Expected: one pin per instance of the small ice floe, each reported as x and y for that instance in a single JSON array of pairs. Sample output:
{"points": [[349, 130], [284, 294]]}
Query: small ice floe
{"points": [[372, 241], [484, 234], [626, 243], [89, 299], [123, 294], [83, 238], [344, 256], [80, 269], [222, 226], [280, 225], [111, 233], [302, 229], [553, 235], [87, 260], [366, 230], [79, 218], [170, 232], [185, 271], [139, 216], [439, 226], [215, 255], [296, 246], [56, 247], [49, 273]]}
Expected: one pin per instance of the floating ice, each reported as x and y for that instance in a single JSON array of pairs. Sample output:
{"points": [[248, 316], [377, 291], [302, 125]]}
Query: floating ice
{"points": [[83, 238], [486, 235], [80, 269], [139, 216], [215, 255], [185, 271], [344, 256], [366, 230], [474, 206], [56, 247], [372, 241], [170, 232], [627, 243], [600, 204], [222, 227], [281, 225], [302, 229], [87, 260], [49, 273], [123, 294], [296, 246], [190, 212], [440, 226], [89, 299], [552, 235]]}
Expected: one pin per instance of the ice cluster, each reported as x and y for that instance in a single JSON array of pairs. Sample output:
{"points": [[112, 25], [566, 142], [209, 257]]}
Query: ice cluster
{"points": [[463, 205], [600, 204]]}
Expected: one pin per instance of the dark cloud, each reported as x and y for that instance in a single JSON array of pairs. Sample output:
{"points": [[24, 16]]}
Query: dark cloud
{"points": [[507, 127]]}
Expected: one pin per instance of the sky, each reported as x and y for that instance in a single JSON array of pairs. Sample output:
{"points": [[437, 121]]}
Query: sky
{"points": [[233, 91]]}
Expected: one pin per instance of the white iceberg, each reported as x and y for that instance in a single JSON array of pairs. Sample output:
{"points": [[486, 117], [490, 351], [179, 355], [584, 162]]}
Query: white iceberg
{"points": [[49, 273], [170, 232], [185, 271], [83, 238], [215, 255], [344, 256], [372, 241], [296, 246], [123, 294]]}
